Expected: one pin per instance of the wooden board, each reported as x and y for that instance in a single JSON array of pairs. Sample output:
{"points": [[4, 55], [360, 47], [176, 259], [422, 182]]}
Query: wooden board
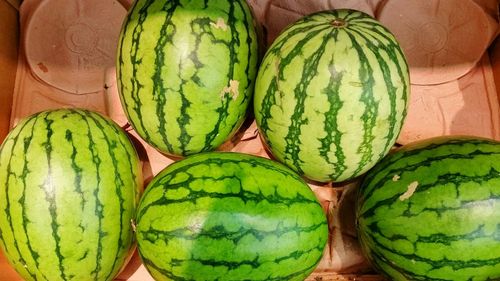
{"points": [[9, 31]]}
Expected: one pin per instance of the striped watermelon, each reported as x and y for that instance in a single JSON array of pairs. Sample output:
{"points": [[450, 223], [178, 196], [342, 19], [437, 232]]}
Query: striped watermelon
{"points": [[186, 71], [331, 95], [431, 211], [69, 187], [229, 216]]}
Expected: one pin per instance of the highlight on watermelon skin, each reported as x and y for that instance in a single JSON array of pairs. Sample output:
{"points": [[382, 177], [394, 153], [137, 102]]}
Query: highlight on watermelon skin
{"points": [[430, 211], [331, 95]]}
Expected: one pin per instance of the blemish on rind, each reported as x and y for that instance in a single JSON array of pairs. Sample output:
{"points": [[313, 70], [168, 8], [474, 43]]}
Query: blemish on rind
{"points": [[231, 90], [132, 224], [396, 178], [409, 192], [43, 67], [220, 24]]}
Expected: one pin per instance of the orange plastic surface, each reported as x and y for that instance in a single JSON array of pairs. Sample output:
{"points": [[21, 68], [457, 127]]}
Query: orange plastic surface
{"points": [[442, 39], [467, 106]]}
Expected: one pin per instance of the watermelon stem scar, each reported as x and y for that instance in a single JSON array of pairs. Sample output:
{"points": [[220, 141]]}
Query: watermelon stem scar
{"points": [[339, 23]]}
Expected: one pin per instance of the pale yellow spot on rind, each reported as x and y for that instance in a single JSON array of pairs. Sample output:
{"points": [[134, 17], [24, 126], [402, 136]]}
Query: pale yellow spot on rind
{"points": [[396, 178], [132, 224], [411, 189], [221, 24], [231, 90]]}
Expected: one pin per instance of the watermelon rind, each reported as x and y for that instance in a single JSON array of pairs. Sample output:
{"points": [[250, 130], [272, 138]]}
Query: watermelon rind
{"points": [[331, 95], [70, 182], [431, 211], [186, 71], [229, 216]]}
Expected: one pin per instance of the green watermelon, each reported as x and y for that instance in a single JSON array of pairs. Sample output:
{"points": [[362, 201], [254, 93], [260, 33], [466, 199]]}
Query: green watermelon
{"points": [[431, 211], [229, 216], [70, 182], [331, 95], [186, 71]]}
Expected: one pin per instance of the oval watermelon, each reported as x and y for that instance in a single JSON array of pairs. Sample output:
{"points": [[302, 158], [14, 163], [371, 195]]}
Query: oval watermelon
{"points": [[229, 216], [186, 72], [431, 211], [70, 182], [331, 95]]}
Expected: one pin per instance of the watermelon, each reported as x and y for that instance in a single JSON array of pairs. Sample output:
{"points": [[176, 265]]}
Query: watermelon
{"points": [[431, 211], [70, 182], [229, 216], [186, 72], [331, 95]]}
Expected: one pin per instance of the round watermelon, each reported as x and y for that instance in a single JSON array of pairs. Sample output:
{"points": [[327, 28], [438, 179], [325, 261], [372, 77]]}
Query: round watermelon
{"points": [[331, 95], [431, 211], [70, 182], [229, 216], [186, 71]]}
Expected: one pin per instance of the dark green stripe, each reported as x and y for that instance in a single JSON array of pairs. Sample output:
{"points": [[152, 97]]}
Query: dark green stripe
{"points": [[151, 265], [167, 32], [333, 134], [369, 46], [251, 56], [231, 265], [220, 232], [15, 138], [437, 148], [50, 129], [393, 51], [381, 262], [128, 148], [179, 167], [444, 239], [352, 16], [172, 276], [370, 112], [184, 119], [309, 71], [136, 61], [232, 46], [170, 180], [25, 219], [442, 180], [119, 184], [385, 251], [77, 169], [380, 254], [50, 195], [269, 99], [456, 264], [453, 146], [98, 210], [245, 195], [292, 140]]}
